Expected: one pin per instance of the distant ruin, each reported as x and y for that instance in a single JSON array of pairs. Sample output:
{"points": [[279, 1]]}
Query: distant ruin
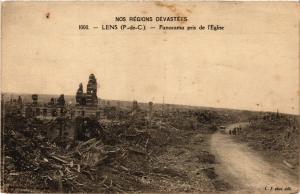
{"points": [[90, 97]]}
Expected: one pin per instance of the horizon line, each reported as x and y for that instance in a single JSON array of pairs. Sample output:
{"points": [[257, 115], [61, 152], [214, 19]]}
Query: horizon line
{"points": [[161, 103]]}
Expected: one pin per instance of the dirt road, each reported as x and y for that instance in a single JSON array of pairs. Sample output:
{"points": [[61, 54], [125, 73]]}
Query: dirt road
{"points": [[246, 170]]}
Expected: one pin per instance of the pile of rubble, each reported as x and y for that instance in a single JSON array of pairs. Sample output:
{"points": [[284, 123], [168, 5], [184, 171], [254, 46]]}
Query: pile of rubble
{"points": [[116, 161], [275, 133]]}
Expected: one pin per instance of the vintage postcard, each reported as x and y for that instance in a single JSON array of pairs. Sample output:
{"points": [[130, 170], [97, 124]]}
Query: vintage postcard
{"points": [[150, 97]]}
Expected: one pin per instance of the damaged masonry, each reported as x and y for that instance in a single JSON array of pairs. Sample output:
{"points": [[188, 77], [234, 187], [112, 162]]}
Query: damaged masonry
{"points": [[105, 146]]}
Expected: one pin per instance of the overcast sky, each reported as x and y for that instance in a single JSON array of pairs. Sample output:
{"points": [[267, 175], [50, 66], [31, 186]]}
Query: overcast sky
{"points": [[252, 64]]}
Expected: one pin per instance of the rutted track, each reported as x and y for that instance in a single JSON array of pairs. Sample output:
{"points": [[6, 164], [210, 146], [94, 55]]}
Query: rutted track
{"points": [[245, 170]]}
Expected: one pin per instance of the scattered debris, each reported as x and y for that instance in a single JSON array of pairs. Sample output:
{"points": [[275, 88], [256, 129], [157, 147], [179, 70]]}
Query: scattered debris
{"points": [[274, 134], [122, 156]]}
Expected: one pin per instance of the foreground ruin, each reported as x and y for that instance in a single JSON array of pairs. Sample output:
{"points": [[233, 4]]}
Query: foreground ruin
{"points": [[121, 155]]}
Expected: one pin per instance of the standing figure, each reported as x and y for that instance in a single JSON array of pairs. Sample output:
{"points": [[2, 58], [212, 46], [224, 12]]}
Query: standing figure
{"points": [[234, 131]]}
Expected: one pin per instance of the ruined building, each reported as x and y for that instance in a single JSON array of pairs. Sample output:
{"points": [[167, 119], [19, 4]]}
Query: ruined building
{"points": [[35, 98], [86, 104], [90, 97]]}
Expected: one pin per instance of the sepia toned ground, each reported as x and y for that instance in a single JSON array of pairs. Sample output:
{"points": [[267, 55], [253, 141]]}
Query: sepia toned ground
{"points": [[185, 151], [246, 170]]}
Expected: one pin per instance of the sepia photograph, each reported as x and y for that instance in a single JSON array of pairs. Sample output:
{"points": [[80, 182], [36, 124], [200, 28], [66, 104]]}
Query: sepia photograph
{"points": [[150, 97]]}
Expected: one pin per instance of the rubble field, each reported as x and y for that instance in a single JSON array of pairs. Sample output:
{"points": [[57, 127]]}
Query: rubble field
{"points": [[131, 153], [168, 155], [275, 136]]}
